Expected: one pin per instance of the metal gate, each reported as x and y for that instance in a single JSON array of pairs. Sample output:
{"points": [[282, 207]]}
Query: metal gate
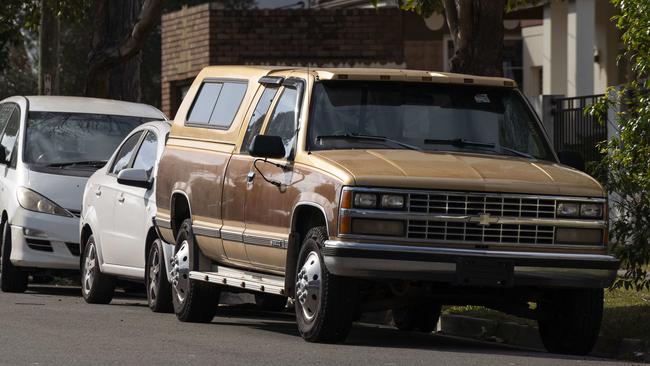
{"points": [[576, 131]]}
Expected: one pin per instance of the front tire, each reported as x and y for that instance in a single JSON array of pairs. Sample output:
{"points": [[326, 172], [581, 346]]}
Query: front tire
{"points": [[571, 319], [419, 318], [159, 289], [194, 301], [96, 287], [326, 304], [12, 279]]}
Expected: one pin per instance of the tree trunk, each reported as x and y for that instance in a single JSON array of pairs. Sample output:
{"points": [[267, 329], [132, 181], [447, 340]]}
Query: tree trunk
{"points": [[112, 74], [476, 28], [48, 78]]}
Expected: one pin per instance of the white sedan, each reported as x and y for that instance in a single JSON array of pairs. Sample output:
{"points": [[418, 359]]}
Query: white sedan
{"points": [[118, 239]]}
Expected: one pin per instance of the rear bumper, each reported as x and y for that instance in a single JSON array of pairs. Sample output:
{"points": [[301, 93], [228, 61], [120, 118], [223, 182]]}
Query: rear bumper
{"points": [[472, 267]]}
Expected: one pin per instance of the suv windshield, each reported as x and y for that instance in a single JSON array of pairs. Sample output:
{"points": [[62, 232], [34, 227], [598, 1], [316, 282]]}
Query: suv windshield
{"points": [[75, 140], [424, 117]]}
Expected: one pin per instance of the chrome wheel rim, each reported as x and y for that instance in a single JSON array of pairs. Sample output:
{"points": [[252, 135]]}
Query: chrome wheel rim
{"points": [[154, 271], [180, 272], [90, 269], [308, 286]]}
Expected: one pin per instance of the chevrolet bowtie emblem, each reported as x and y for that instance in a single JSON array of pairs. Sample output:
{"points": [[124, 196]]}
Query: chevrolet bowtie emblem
{"points": [[484, 219]]}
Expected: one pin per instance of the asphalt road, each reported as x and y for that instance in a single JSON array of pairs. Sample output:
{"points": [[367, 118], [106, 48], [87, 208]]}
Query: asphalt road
{"points": [[53, 326]]}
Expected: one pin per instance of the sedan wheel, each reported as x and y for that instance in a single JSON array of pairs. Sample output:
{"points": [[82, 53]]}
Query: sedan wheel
{"points": [[96, 287], [158, 288]]}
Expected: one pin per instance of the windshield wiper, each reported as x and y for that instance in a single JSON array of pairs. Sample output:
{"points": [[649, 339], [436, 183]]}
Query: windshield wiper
{"points": [[90, 163], [467, 143], [354, 136], [459, 143]]}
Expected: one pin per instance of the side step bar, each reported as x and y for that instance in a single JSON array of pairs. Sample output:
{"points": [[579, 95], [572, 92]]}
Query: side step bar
{"points": [[232, 277]]}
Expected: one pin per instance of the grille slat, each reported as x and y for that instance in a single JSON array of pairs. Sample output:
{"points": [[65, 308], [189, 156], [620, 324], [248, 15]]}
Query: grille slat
{"points": [[476, 204]]}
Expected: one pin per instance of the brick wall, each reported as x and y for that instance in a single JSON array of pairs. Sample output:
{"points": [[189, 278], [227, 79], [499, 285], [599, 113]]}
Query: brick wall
{"points": [[193, 38]]}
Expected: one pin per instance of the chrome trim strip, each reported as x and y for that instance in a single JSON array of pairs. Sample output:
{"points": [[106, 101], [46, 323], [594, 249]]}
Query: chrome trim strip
{"points": [[232, 235], [474, 193], [206, 231], [461, 252], [265, 241], [163, 223], [403, 215]]}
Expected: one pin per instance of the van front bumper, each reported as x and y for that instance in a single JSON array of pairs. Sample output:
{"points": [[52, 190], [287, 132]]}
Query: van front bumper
{"points": [[469, 267]]}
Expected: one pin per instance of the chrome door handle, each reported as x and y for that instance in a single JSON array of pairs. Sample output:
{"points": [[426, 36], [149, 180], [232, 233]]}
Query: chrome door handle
{"points": [[250, 177]]}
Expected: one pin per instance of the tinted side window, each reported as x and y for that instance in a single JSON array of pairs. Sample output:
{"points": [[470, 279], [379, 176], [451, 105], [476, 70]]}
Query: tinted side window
{"points": [[8, 140], [123, 156], [284, 120], [217, 104], [146, 157], [258, 117]]}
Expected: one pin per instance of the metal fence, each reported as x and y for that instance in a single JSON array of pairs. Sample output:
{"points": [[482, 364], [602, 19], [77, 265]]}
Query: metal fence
{"points": [[576, 131]]}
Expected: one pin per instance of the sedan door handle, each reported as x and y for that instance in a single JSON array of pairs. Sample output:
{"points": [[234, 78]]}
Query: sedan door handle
{"points": [[98, 193], [121, 199]]}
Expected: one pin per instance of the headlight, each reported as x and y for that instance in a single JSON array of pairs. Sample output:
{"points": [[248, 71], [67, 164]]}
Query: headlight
{"points": [[392, 201], [365, 200], [591, 210], [566, 209], [580, 210], [33, 201]]}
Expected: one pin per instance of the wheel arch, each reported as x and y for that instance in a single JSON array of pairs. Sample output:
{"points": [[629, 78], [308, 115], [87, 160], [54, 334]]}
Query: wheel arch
{"points": [[305, 216], [180, 209], [86, 232]]}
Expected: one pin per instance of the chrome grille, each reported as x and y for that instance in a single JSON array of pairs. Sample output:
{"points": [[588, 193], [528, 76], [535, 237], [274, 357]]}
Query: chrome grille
{"points": [[475, 204], [440, 203]]}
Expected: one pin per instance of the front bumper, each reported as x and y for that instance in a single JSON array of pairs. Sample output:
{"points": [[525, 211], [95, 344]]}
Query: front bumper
{"points": [[470, 267], [56, 248]]}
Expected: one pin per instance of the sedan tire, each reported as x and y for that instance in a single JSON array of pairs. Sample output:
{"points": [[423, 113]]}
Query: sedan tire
{"points": [[159, 289], [96, 287]]}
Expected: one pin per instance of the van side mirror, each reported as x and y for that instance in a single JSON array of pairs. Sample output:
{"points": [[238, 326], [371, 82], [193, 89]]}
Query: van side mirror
{"points": [[573, 159], [134, 178], [267, 147]]}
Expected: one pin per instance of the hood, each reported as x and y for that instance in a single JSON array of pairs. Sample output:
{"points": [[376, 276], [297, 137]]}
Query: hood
{"points": [[460, 172], [64, 190]]}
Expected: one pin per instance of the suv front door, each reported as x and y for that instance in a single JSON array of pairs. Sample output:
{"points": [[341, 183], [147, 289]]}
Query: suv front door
{"points": [[268, 208]]}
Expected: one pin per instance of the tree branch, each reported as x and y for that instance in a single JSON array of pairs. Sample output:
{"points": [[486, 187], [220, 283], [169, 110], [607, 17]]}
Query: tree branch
{"points": [[451, 13], [108, 57]]}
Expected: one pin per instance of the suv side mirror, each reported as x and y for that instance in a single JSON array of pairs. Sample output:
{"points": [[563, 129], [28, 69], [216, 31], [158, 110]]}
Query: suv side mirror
{"points": [[134, 178], [271, 147], [572, 158]]}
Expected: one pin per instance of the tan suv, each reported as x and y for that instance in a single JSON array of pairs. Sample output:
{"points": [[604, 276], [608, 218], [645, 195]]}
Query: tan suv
{"points": [[353, 190]]}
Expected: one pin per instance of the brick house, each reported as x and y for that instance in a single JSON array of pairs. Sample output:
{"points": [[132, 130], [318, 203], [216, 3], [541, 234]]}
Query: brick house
{"points": [[195, 37]]}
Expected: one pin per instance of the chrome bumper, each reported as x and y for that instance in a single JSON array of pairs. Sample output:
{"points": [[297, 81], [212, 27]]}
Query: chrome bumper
{"points": [[472, 267]]}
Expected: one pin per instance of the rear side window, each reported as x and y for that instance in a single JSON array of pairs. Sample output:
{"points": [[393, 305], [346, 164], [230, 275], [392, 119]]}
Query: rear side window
{"points": [[217, 103]]}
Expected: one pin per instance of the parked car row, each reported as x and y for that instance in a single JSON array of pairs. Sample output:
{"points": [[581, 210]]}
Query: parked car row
{"points": [[341, 190]]}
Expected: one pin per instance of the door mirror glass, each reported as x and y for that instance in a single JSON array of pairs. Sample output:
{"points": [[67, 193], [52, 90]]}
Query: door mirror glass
{"points": [[135, 178], [265, 146], [572, 158]]}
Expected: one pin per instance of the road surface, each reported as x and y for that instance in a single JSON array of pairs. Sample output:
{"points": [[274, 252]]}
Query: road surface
{"points": [[53, 326]]}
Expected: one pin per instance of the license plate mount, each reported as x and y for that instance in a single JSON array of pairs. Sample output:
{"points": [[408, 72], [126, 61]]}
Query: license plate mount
{"points": [[484, 272]]}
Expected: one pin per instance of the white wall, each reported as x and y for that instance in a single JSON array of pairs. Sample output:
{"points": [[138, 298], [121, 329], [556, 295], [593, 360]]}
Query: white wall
{"points": [[533, 39]]}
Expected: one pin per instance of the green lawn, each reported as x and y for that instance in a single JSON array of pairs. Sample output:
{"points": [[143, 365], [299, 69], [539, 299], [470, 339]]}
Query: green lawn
{"points": [[627, 314]]}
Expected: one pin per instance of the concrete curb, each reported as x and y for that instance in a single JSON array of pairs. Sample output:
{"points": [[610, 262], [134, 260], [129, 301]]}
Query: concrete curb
{"points": [[528, 337]]}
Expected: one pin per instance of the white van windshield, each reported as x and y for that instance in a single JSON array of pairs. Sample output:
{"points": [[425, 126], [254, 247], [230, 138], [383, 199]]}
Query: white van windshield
{"points": [[75, 139]]}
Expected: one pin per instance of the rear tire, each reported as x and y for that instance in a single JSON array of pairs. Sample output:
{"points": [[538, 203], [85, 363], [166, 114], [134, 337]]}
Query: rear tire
{"points": [[96, 287], [159, 290], [194, 301], [571, 320], [420, 318], [12, 279], [325, 305]]}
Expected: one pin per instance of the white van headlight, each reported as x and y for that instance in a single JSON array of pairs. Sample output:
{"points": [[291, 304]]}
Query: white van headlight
{"points": [[32, 201]]}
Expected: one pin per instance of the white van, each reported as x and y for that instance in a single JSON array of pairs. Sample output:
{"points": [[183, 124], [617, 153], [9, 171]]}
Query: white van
{"points": [[49, 146]]}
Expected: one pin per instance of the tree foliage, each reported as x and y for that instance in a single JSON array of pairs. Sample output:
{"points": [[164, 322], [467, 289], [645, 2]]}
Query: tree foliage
{"points": [[625, 170]]}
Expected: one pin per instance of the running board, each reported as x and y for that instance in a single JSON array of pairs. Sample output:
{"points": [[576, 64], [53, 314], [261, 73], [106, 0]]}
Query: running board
{"points": [[232, 277]]}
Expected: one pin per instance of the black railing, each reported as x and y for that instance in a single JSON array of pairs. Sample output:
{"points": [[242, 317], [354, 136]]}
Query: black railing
{"points": [[574, 130]]}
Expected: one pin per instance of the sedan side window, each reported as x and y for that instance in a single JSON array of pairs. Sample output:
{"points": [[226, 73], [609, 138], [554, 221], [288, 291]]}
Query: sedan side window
{"points": [[285, 118], [258, 117], [123, 157], [146, 158], [5, 112]]}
